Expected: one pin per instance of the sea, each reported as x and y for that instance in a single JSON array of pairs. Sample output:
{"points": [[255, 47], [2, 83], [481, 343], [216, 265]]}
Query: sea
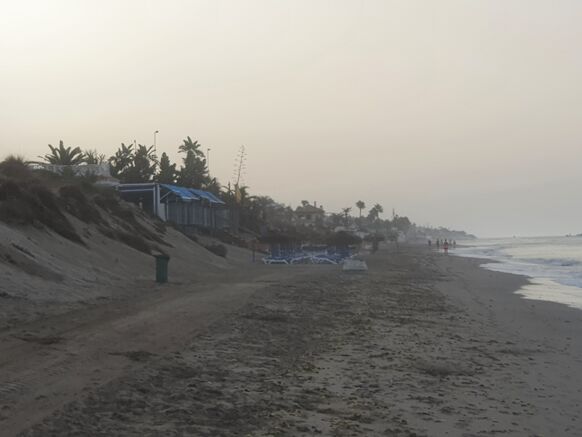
{"points": [[553, 264]]}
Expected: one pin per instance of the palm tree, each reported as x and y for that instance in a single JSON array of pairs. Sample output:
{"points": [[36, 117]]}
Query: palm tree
{"points": [[360, 205], [346, 213], [375, 212], [379, 208], [193, 146], [64, 155], [194, 172]]}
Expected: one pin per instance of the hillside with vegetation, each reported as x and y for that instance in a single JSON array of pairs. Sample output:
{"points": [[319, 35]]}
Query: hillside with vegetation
{"points": [[65, 242]]}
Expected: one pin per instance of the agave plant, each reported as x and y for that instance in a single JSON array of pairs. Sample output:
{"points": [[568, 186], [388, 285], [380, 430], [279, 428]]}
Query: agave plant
{"points": [[64, 155], [94, 157]]}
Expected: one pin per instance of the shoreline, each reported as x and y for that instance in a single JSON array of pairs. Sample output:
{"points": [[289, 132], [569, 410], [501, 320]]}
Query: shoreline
{"points": [[535, 283], [424, 344], [547, 332], [548, 285]]}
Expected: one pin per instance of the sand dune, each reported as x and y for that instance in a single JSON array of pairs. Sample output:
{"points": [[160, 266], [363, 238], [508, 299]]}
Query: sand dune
{"points": [[44, 273]]}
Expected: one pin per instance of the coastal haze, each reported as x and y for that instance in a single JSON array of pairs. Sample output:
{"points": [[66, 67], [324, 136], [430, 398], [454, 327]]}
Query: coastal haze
{"points": [[257, 218], [457, 113]]}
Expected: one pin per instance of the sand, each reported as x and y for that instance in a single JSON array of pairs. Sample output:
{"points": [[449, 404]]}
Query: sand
{"points": [[422, 344], [42, 273]]}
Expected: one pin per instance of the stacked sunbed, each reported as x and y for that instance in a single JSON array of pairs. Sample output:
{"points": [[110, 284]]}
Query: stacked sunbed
{"points": [[301, 257]]}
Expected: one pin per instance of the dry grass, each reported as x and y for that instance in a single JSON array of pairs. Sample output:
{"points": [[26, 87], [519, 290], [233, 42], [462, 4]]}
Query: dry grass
{"points": [[217, 249], [78, 204], [109, 201], [37, 198], [132, 240], [15, 167], [30, 203]]}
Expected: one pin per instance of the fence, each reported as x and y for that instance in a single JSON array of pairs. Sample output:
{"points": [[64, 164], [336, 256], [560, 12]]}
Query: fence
{"points": [[101, 170]]}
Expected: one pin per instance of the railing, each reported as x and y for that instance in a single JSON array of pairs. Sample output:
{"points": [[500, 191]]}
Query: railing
{"points": [[102, 170]]}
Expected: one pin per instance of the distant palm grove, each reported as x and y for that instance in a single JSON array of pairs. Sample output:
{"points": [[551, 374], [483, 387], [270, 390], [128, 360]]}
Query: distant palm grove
{"points": [[138, 163]]}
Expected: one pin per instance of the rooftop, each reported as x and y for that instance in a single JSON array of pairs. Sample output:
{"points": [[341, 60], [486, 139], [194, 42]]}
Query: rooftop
{"points": [[309, 209]]}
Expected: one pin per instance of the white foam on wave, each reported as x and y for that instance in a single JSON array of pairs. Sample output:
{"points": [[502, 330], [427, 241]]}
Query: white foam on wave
{"points": [[548, 290], [553, 264]]}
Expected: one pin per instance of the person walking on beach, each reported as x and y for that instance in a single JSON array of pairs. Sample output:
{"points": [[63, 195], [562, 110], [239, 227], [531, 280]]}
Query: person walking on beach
{"points": [[429, 242], [438, 244], [446, 247]]}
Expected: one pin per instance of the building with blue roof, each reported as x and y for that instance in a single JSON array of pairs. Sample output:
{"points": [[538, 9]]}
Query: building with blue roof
{"points": [[188, 208]]}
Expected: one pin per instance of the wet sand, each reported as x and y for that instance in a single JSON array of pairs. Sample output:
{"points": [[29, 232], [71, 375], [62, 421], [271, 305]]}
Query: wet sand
{"points": [[424, 344]]}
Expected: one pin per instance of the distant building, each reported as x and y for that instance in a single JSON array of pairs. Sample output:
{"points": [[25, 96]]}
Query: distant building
{"points": [[187, 208], [310, 215]]}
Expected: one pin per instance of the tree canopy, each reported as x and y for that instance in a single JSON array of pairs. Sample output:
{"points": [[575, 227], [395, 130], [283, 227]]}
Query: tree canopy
{"points": [[134, 165], [194, 172], [167, 171], [375, 211], [139, 163]]}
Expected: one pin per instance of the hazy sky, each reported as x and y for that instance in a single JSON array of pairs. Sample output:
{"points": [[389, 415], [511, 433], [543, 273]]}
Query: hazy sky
{"points": [[466, 114]]}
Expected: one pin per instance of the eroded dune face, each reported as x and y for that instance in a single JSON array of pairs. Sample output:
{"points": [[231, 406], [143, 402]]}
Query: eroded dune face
{"points": [[63, 246]]}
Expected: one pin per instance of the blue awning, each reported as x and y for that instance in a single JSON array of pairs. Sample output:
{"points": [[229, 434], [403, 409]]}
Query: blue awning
{"points": [[207, 195], [181, 192]]}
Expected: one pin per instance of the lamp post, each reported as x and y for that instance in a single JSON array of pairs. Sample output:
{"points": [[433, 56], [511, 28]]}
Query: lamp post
{"points": [[155, 138], [208, 159]]}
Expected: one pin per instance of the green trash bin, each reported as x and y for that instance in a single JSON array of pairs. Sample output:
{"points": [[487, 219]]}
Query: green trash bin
{"points": [[162, 268]]}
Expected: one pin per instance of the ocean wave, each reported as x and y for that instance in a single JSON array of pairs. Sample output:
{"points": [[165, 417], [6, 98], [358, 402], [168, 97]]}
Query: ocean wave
{"points": [[553, 264], [480, 252], [556, 262], [570, 281]]}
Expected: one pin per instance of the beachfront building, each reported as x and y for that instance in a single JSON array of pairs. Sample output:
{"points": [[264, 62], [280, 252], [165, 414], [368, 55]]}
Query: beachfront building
{"points": [[310, 215], [189, 209]]}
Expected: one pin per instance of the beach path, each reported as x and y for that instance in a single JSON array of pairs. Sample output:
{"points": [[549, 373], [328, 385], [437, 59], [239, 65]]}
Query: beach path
{"points": [[56, 360]]}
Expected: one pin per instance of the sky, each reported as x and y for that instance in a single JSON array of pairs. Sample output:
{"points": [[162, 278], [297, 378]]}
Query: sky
{"points": [[457, 113]]}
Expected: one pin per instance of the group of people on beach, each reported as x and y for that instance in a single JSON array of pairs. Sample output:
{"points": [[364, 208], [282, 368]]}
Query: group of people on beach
{"points": [[445, 244]]}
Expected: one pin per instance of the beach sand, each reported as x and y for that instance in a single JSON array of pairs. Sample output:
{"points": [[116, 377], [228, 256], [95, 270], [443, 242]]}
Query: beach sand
{"points": [[422, 344]]}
